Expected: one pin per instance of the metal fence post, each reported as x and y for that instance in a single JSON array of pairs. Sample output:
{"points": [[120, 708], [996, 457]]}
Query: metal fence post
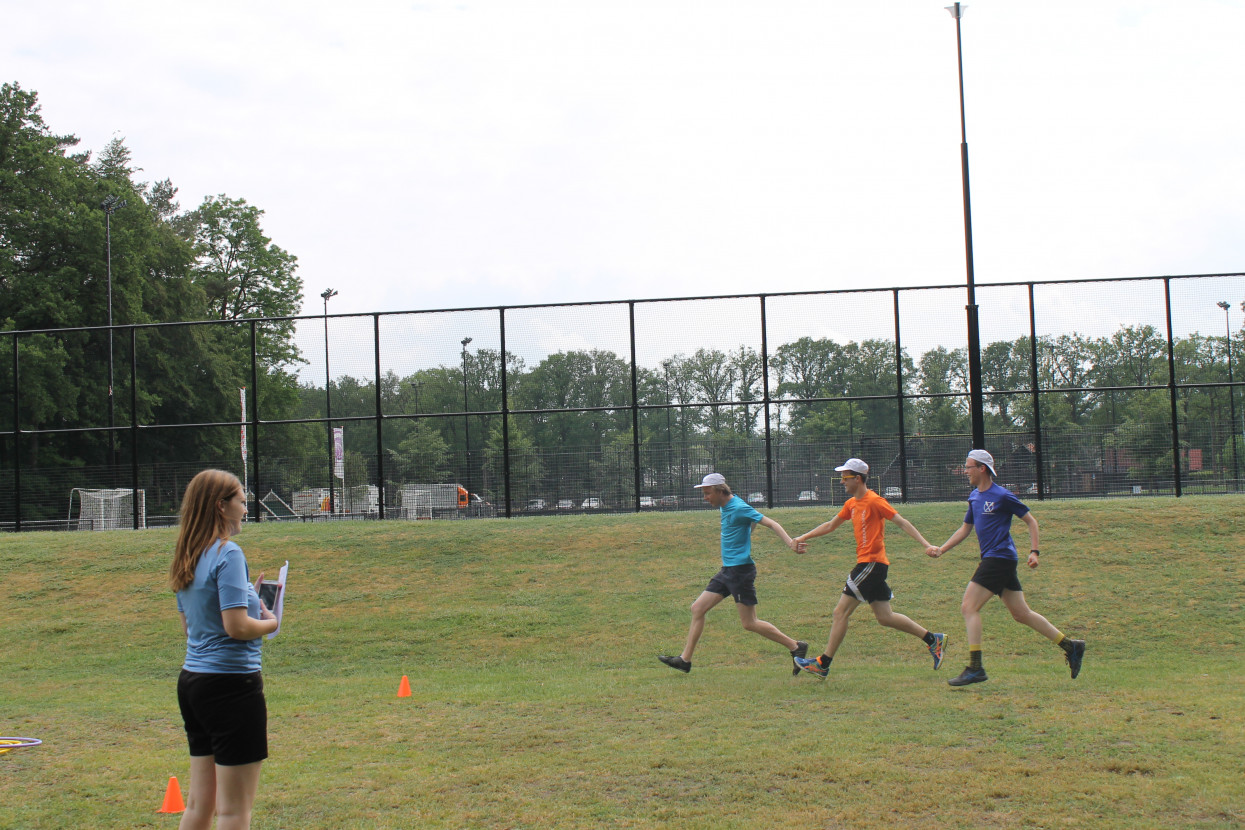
{"points": [[254, 436], [769, 446], [134, 422], [17, 445], [380, 424], [635, 410], [505, 411], [1038, 453], [899, 402], [1171, 385]]}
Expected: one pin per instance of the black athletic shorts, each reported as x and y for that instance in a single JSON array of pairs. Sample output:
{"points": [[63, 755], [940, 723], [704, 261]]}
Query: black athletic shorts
{"points": [[997, 575], [738, 581], [225, 716], [867, 583]]}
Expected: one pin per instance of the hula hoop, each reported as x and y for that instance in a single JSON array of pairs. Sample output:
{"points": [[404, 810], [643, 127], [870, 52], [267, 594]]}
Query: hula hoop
{"points": [[9, 744]]}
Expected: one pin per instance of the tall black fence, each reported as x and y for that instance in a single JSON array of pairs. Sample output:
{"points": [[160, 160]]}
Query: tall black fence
{"points": [[1091, 388]]}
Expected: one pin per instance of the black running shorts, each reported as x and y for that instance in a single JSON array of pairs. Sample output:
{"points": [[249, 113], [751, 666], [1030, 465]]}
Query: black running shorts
{"points": [[738, 581], [867, 583], [997, 575], [225, 716]]}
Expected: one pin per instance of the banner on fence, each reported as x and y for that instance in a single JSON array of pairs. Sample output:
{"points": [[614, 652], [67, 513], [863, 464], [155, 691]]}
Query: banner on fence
{"points": [[339, 453]]}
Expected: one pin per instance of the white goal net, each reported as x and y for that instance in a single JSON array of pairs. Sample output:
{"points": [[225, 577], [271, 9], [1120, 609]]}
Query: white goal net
{"points": [[416, 503], [106, 509]]}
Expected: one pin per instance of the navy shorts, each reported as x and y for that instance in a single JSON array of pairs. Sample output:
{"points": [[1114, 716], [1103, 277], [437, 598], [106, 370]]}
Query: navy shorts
{"points": [[225, 716], [738, 581], [997, 575], [867, 583]]}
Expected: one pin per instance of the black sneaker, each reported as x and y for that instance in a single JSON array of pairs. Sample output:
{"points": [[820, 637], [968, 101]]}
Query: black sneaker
{"points": [[969, 675], [801, 650], [676, 662], [1074, 655]]}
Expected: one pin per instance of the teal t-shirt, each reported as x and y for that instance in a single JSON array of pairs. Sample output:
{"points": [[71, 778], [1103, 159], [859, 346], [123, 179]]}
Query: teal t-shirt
{"points": [[222, 581], [738, 519]]}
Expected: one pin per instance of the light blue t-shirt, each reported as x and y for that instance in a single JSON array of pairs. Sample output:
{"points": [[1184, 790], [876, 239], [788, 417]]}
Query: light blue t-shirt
{"points": [[738, 519], [222, 581], [990, 513]]}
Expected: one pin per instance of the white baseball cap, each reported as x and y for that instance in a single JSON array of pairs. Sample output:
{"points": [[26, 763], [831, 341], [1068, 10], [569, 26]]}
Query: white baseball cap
{"points": [[711, 480], [854, 465], [984, 458]]}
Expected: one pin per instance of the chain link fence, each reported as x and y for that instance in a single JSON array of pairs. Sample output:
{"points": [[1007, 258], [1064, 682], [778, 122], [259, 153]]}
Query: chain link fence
{"points": [[1091, 388]]}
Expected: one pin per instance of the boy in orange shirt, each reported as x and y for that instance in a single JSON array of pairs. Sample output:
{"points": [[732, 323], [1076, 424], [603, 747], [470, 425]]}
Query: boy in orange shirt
{"points": [[868, 513]]}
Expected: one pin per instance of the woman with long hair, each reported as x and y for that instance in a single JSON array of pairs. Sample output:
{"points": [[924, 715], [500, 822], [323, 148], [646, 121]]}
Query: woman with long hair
{"points": [[220, 690]]}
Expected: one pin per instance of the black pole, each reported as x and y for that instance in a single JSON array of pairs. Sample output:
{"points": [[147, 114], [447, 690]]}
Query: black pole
{"points": [[1171, 386], [505, 411], [380, 425], [635, 409], [976, 404], [110, 204], [769, 446], [328, 403], [17, 444], [134, 423], [1227, 329], [1038, 454], [254, 436], [899, 403], [466, 424]]}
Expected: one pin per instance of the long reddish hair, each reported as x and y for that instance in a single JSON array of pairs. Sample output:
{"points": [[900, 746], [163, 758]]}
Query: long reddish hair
{"points": [[202, 522]]}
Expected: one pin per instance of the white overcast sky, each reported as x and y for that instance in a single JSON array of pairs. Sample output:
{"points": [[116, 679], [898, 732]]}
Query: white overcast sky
{"points": [[426, 155]]}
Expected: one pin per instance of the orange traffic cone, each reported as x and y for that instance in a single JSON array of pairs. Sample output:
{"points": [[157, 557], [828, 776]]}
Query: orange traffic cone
{"points": [[172, 798], [404, 688]]}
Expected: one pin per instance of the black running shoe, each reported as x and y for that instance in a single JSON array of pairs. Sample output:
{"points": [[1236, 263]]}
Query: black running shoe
{"points": [[1074, 655], [969, 675], [801, 650], [676, 662]]}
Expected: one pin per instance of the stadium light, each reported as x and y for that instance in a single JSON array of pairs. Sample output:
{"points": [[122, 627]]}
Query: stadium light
{"points": [[110, 205], [466, 423], [1227, 327], [976, 405], [327, 295]]}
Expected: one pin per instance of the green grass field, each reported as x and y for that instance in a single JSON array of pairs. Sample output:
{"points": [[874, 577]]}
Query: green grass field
{"points": [[538, 702]]}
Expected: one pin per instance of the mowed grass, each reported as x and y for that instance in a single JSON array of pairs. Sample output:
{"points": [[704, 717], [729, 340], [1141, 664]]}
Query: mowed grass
{"points": [[538, 702]]}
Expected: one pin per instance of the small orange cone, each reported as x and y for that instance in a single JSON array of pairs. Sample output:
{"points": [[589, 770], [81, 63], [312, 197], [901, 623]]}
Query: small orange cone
{"points": [[172, 798], [404, 688]]}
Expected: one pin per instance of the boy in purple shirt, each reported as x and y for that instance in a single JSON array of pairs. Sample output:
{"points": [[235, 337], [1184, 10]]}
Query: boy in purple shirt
{"points": [[990, 512]]}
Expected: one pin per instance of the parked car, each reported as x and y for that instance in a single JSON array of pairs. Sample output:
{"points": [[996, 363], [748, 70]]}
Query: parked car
{"points": [[536, 505], [806, 495], [669, 502], [591, 504], [647, 502], [893, 493], [566, 504], [755, 498]]}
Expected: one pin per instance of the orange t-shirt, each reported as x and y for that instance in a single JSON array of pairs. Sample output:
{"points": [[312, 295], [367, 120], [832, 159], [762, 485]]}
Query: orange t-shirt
{"points": [[869, 514]]}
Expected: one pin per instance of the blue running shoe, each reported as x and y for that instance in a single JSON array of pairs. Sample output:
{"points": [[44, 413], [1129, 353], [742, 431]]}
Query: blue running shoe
{"points": [[969, 675], [1074, 655], [812, 666], [936, 649]]}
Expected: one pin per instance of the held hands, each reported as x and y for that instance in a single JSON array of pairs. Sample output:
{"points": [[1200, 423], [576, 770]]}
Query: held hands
{"points": [[933, 551], [798, 545]]}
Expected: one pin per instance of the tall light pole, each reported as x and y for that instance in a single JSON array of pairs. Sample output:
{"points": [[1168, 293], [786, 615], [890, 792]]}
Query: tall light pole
{"points": [[110, 204], [974, 330], [466, 423], [1227, 326], [327, 295], [415, 386]]}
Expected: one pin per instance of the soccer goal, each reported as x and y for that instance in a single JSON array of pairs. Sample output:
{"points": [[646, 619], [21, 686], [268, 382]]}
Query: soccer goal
{"points": [[416, 502], [107, 509]]}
